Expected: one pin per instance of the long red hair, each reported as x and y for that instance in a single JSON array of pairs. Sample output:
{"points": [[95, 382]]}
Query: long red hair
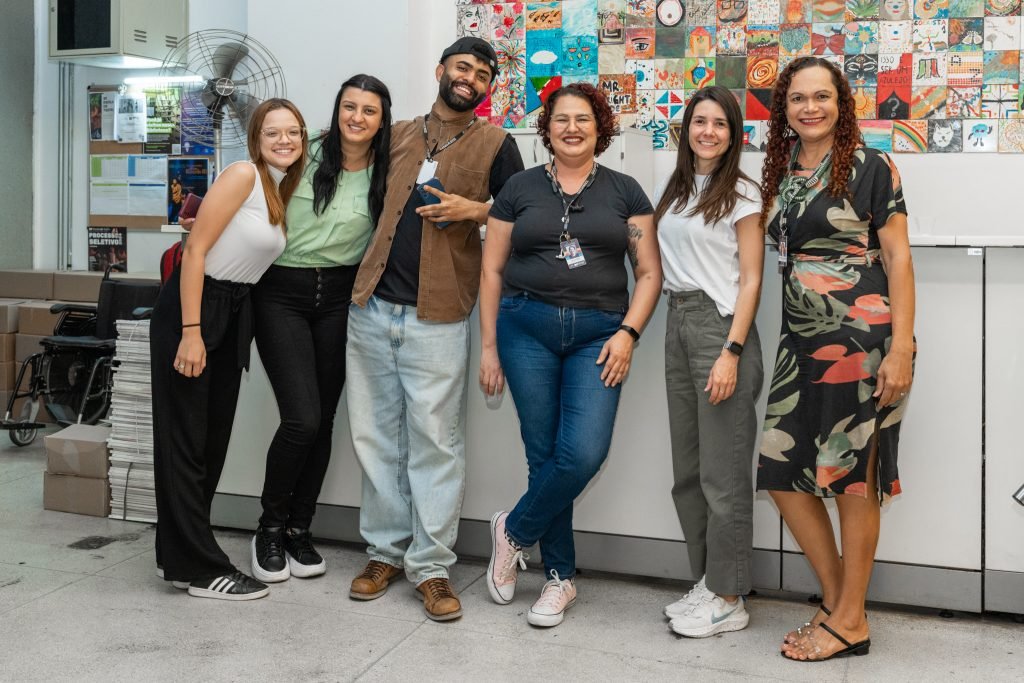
{"points": [[277, 195]]}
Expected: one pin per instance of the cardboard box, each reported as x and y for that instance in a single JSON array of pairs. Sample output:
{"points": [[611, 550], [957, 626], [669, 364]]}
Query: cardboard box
{"points": [[34, 317], [80, 450], [80, 495], [9, 315], [26, 284], [25, 345], [8, 371], [43, 416], [77, 285], [8, 346]]}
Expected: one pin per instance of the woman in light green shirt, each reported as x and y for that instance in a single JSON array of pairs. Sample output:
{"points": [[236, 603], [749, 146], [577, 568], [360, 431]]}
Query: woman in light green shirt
{"points": [[302, 317]]}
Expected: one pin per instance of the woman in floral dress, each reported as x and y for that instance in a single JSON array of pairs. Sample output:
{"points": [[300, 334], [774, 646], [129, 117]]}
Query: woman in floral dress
{"points": [[845, 358]]}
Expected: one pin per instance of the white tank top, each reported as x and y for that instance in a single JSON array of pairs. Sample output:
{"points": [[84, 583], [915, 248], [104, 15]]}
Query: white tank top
{"points": [[249, 243]]}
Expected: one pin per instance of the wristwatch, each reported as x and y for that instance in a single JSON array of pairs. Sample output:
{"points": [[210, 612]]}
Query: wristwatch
{"points": [[733, 347]]}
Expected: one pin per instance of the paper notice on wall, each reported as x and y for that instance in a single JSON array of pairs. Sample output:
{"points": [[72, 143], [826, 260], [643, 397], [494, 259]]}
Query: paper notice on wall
{"points": [[101, 115], [130, 122], [108, 167], [147, 167], [147, 199], [128, 185], [108, 198], [163, 111], [107, 247]]}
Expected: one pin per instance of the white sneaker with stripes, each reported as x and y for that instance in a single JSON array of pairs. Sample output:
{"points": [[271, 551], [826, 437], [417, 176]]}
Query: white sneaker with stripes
{"points": [[233, 586]]}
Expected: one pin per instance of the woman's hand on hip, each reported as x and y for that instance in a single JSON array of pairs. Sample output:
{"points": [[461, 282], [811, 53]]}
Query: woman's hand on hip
{"points": [[492, 379], [191, 357], [616, 355], [895, 375], [722, 380]]}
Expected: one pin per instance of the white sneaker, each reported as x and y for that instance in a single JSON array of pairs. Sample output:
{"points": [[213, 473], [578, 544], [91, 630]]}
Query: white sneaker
{"points": [[556, 597], [506, 561], [713, 615], [683, 605]]}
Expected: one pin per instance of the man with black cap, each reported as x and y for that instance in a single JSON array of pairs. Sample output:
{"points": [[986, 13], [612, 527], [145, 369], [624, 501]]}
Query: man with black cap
{"points": [[408, 335]]}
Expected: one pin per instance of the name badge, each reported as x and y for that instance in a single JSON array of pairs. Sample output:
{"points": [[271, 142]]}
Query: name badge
{"points": [[427, 171], [572, 253]]}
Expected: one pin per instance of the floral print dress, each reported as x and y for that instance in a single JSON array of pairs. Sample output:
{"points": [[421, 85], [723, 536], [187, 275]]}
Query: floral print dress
{"points": [[836, 328]]}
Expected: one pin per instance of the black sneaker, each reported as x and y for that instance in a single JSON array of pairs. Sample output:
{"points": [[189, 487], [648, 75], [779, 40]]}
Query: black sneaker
{"points": [[303, 559], [233, 586], [268, 561]]}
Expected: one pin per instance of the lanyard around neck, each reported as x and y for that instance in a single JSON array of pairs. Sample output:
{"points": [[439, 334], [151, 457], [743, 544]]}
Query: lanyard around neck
{"points": [[568, 205], [795, 195], [437, 150]]}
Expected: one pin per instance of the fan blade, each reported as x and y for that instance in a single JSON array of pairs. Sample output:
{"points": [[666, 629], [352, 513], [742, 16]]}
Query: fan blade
{"points": [[214, 101], [226, 57], [243, 105]]}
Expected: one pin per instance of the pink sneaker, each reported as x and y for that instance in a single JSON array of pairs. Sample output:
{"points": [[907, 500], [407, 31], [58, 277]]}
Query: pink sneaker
{"points": [[506, 560], [556, 597]]}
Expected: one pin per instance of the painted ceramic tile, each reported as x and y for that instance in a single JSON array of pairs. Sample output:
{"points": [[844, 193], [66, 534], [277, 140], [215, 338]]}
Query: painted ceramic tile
{"points": [[643, 72], [483, 110], [1002, 67], [670, 74], [931, 9], [731, 40], [909, 137], [862, 9], [669, 105], [753, 136], [784, 61], [895, 36], [795, 40], [545, 85], [761, 12], [828, 11], [1002, 8], [670, 13], [508, 93], [620, 90], [758, 104], [966, 34], [732, 71], [930, 68], [931, 35], [965, 69], [795, 12], [861, 37], [1011, 137], [928, 102], [827, 39], [864, 102], [701, 41], [507, 21], [639, 43], [701, 13], [877, 134], [700, 71], [579, 17], [543, 53], [731, 11], [472, 20], [641, 9], [1005, 102], [894, 86], [644, 109], [981, 135], [579, 57], [1002, 33], [670, 41], [543, 15], [945, 136], [762, 71], [740, 95], [862, 70], [895, 10], [966, 8], [838, 60], [763, 40], [611, 58], [963, 103], [611, 21]]}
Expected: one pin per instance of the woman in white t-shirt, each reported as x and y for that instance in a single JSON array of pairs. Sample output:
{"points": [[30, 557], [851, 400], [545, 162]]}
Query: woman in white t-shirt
{"points": [[712, 252]]}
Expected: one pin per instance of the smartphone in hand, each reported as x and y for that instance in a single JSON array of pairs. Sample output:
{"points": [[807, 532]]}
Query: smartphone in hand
{"points": [[429, 198]]}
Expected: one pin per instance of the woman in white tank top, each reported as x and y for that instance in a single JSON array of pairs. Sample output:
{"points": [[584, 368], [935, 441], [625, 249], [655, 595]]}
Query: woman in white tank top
{"points": [[200, 337]]}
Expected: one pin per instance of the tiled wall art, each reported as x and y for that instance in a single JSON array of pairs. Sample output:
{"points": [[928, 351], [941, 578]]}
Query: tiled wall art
{"points": [[927, 76]]}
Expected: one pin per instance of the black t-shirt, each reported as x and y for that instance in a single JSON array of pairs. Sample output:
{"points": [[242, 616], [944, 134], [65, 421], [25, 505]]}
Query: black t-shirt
{"points": [[530, 203], [400, 282]]}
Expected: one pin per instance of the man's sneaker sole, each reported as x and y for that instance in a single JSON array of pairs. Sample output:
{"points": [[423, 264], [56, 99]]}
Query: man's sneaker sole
{"points": [[548, 620], [198, 592], [304, 571], [733, 622], [492, 588], [260, 574]]}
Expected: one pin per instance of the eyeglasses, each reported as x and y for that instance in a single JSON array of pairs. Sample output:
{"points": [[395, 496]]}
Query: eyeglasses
{"points": [[562, 120], [276, 134]]}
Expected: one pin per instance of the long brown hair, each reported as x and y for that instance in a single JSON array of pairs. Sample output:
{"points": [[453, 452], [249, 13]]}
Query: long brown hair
{"points": [[718, 198], [277, 196], [846, 137]]}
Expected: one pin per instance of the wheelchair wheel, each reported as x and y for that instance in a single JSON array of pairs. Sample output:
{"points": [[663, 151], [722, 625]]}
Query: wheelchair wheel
{"points": [[22, 437], [67, 377]]}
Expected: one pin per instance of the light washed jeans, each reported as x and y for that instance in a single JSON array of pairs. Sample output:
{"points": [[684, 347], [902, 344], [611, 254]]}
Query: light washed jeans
{"points": [[407, 389]]}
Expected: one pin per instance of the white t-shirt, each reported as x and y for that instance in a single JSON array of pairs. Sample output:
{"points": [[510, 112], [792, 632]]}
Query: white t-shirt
{"points": [[249, 243], [697, 256]]}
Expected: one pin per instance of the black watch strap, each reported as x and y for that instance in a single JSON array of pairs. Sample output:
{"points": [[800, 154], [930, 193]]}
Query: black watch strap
{"points": [[733, 347], [631, 331]]}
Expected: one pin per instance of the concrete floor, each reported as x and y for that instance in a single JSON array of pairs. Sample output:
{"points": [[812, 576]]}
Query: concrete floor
{"points": [[101, 614]]}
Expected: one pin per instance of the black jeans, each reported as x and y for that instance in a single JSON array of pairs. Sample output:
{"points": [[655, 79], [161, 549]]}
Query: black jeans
{"points": [[301, 329]]}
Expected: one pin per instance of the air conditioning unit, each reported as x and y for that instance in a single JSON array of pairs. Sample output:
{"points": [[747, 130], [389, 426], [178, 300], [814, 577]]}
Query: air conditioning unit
{"points": [[118, 34]]}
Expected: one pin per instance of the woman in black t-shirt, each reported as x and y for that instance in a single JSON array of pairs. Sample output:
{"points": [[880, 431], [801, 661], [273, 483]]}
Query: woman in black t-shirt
{"points": [[563, 329]]}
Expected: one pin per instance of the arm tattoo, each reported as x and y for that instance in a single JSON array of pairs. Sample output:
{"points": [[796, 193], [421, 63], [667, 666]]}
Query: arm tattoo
{"points": [[635, 235]]}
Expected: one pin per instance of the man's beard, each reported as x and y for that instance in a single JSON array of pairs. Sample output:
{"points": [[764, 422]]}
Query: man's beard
{"points": [[456, 101]]}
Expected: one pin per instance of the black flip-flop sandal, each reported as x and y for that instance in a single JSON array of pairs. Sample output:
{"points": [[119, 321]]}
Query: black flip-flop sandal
{"points": [[856, 649]]}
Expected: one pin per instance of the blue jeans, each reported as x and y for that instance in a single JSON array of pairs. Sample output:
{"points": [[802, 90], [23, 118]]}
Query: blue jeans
{"points": [[566, 415], [407, 391]]}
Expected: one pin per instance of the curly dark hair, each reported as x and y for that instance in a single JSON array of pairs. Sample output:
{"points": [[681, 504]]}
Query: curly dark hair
{"points": [[846, 137], [607, 125]]}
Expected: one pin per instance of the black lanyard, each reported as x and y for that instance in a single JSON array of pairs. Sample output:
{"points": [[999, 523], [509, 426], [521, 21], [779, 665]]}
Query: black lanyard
{"points": [[437, 150], [568, 205]]}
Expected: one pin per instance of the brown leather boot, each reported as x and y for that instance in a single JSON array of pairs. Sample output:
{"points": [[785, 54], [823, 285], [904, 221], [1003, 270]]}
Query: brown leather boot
{"points": [[439, 600], [374, 580]]}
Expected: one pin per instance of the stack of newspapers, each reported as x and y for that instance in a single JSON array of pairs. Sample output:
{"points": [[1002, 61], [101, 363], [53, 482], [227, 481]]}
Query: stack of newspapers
{"points": [[132, 493]]}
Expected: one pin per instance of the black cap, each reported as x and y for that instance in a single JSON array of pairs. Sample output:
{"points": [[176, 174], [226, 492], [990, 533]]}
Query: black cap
{"points": [[469, 45]]}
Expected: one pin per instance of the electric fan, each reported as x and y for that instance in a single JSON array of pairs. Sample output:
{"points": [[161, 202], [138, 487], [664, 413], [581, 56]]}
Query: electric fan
{"points": [[229, 74]]}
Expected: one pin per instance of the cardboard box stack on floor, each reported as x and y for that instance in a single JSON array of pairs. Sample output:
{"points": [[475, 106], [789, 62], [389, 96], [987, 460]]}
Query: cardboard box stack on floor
{"points": [[77, 463]]}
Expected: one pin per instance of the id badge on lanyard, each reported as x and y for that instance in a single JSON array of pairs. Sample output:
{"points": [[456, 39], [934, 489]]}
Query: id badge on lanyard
{"points": [[427, 171]]}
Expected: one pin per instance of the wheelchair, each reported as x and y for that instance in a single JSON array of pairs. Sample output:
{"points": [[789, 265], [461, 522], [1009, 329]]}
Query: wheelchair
{"points": [[72, 375]]}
